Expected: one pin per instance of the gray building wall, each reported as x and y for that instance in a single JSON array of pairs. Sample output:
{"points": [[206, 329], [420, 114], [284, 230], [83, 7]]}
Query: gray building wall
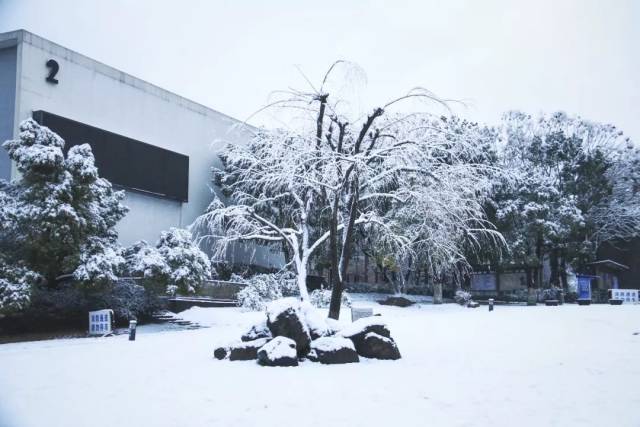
{"points": [[8, 63], [104, 97]]}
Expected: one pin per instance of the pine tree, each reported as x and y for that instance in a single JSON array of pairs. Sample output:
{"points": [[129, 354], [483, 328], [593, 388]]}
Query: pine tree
{"points": [[62, 215]]}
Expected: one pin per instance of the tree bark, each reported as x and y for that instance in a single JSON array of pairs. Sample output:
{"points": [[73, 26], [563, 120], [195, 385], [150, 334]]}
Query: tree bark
{"points": [[437, 292]]}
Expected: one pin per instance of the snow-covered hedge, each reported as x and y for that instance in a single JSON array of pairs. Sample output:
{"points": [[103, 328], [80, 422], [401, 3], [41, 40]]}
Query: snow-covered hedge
{"points": [[264, 288], [321, 298]]}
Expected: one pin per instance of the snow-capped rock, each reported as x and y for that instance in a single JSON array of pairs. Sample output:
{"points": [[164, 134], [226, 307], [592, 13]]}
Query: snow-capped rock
{"points": [[247, 350], [280, 351], [285, 319], [376, 346], [259, 330], [333, 350]]}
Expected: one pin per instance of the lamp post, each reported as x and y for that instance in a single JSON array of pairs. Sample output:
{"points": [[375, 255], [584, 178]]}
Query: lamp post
{"points": [[132, 329]]}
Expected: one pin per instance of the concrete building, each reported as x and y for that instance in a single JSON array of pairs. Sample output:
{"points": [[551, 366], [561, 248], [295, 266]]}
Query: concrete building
{"points": [[157, 146]]}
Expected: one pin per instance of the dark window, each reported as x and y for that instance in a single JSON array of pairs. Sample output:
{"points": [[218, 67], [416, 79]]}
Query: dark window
{"points": [[124, 161]]}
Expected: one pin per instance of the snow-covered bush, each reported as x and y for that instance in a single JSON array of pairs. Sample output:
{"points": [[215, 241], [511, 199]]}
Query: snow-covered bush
{"points": [[188, 266], [145, 262], [264, 288], [15, 287], [462, 297], [56, 221], [62, 214], [549, 294], [129, 300], [99, 263], [321, 298]]}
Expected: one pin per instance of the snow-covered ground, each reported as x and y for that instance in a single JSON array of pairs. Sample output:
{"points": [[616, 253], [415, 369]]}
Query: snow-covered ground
{"points": [[524, 366]]}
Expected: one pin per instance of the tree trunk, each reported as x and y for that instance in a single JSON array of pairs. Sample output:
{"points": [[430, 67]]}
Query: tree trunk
{"points": [[336, 282], [343, 263], [553, 261], [437, 292], [302, 281]]}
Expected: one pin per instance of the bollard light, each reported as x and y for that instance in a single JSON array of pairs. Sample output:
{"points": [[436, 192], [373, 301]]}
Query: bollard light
{"points": [[490, 304], [132, 329]]}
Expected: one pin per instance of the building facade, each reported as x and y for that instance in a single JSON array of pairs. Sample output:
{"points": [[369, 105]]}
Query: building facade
{"points": [[157, 146]]}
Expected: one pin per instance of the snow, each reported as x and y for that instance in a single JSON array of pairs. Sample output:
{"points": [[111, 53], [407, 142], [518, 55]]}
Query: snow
{"points": [[526, 366], [315, 319], [332, 344], [360, 324], [248, 344], [277, 307], [280, 347]]}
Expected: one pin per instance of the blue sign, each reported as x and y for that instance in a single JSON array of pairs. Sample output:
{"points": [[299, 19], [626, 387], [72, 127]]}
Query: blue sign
{"points": [[584, 287]]}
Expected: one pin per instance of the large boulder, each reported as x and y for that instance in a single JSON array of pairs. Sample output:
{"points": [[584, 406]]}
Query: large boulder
{"points": [[333, 350], [280, 351], [361, 327], [257, 331], [376, 346], [246, 350], [285, 319]]}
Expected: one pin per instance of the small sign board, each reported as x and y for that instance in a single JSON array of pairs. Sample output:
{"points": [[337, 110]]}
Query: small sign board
{"points": [[626, 295], [100, 322], [359, 313], [584, 287]]}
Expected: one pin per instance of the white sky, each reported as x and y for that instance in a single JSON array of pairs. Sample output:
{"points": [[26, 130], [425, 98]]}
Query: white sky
{"points": [[579, 56]]}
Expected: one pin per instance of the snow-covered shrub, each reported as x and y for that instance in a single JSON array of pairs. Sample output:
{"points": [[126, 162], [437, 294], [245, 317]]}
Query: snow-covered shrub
{"points": [[128, 300], [264, 288], [188, 266], [56, 221], [63, 214], [549, 294], [15, 287], [462, 297], [145, 262], [321, 298], [99, 263]]}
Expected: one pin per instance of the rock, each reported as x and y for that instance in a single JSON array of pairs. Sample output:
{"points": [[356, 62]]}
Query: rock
{"points": [[280, 351], [312, 355], [397, 301], [285, 319], [221, 353], [257, 331], [376, 346], [361, 327], [247, 350], [333, 350], [473, 304]]}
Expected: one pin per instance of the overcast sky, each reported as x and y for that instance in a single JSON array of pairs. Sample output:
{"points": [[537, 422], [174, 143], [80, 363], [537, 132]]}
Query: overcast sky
{"points": [[579, 56]]}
